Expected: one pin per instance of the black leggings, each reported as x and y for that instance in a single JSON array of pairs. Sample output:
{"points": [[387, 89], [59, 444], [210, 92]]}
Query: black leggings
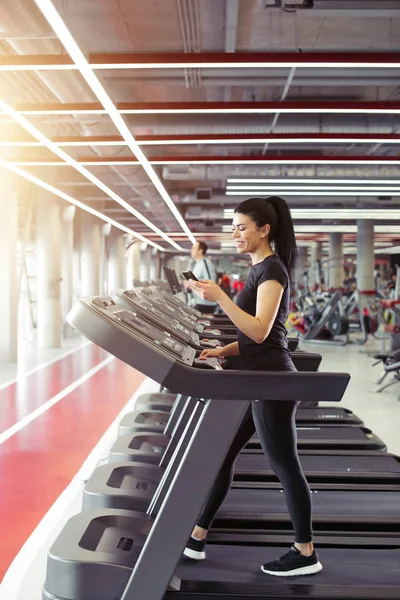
{"points": [[275, 424]]}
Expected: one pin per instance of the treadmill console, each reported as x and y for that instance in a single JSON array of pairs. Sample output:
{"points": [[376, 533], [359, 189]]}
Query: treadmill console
{"points": [[152, 334], [159, 316], [177, 313]]}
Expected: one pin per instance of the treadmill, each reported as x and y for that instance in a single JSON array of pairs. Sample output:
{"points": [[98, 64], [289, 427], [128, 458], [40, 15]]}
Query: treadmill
{"points": [[329, 438], [318, 416], [111, 553]]}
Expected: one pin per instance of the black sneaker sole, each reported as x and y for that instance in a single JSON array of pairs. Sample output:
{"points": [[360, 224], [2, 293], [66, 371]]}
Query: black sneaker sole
{"points": [[309, 570]]}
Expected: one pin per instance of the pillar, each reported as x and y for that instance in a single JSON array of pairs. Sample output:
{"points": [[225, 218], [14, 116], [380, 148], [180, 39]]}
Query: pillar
{"points": [[105, 231], [365, 255], [67, 266], [132, 263], [336, 271], [48, 264], [154, 264], [8, 267], [116, 261], [90, 254], [316, 257], [148, 259], [301, 264]]}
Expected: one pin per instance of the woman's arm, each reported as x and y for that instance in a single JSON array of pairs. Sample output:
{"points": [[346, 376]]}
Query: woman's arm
{"points": [[269, 295], [230, 350]]}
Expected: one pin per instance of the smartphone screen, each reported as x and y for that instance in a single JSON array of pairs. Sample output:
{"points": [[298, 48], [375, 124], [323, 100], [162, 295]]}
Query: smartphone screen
{"points": [[189, 275]]}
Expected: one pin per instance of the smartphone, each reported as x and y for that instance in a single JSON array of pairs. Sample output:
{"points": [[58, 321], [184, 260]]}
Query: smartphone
{"points": [[189, 275]]}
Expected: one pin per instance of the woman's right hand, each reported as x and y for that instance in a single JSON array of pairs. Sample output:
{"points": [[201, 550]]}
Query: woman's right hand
{"points": [[210, 352]]}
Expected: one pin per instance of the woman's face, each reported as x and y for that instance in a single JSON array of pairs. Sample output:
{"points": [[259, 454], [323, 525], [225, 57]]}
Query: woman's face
{"points": [[246, 234]]}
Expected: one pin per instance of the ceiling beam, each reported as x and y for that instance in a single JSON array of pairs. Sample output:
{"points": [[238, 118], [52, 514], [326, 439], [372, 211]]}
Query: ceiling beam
{"points": [[203, 60], [196, 108]]}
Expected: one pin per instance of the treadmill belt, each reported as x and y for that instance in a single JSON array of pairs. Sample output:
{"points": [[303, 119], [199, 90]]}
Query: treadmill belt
{"points": [[342, 567], [353, 506], [327, 463]]}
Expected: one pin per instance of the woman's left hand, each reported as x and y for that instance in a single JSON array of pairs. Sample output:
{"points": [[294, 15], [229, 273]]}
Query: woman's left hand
{"points": [[206, 289]]}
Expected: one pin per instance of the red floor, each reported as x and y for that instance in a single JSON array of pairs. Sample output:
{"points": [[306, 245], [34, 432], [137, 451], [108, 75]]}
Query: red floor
{"points": [[38, 462]]}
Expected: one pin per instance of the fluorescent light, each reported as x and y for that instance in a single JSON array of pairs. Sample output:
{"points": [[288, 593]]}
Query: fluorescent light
{"points": [[306, 192], [75, 202], [251, 140], [243, 65], [275, 161], [60, 29], [312, 188], [343, 214], [202, 65], [312, 180], [32, 130], [389, 229], [28, 67]]}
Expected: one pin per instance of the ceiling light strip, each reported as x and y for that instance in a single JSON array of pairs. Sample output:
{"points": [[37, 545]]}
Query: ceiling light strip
{"points": [[285, 192], [305, 189], [59, 27], [75, 202], [276, 161], [343, 214], [316, 180], [68, 160], [208, 60]]}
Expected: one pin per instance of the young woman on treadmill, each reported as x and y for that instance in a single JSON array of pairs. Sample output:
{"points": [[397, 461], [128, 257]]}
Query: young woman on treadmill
{"points": [[263, 228]]}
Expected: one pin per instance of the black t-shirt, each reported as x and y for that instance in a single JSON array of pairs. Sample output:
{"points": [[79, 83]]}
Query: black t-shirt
{"points": [[273, 351]]}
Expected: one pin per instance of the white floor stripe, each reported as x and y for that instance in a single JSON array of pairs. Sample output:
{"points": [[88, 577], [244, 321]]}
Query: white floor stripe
{"points": [[47, 405], [43, 365], [24, 578]]}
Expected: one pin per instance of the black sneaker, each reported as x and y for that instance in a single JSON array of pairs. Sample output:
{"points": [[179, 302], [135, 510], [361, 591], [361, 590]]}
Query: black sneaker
{"points": [[195, 549], [293, 563]]}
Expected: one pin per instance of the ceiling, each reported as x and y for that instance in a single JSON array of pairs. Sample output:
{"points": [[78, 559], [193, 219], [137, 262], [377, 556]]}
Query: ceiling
{"points": [[193, 93]]}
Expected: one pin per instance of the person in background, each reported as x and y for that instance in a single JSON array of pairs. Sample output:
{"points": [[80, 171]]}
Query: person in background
{"points": [[203, 269]]}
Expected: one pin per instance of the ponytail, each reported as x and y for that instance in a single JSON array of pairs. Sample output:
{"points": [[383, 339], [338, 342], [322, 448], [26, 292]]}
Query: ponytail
{"points": [[275, 212]]}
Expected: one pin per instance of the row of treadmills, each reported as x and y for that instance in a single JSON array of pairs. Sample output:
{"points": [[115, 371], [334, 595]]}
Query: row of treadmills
{"points": [[138, 509]]}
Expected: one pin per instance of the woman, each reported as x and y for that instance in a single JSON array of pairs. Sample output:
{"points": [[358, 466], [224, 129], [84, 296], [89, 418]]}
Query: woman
{"points": [[263, 228]]}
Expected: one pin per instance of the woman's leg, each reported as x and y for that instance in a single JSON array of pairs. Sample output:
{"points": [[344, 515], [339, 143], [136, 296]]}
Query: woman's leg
{"points": [[276, 429], [224, 480]]}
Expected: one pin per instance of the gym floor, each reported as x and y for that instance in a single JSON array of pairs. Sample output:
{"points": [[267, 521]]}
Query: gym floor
{"points": [[53, 416]]}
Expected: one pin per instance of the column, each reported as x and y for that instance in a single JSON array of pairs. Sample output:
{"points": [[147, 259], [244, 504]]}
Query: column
{"points": [[316, 257], [132, 263], [105, 230], [116, 261], [301, 264], [8, 267], [365, 255], [48, 262], [154, 264], [90, 254], [336, 271], [148, 258], [145, 260], [67, 266]]}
